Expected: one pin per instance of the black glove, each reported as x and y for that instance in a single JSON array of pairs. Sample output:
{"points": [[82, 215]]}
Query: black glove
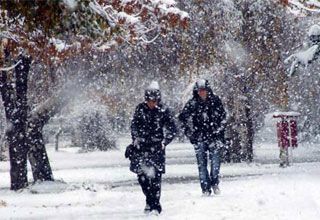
{"points": [[188, 132], [129, 151]]}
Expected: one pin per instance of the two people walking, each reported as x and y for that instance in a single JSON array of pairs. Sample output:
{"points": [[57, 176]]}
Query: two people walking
{"points": [[153, 128]]}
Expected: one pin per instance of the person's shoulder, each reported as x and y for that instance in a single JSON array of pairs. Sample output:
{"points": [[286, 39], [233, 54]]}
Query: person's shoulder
{"points": [[215, 100], [141, 106], [191, 102], [164, 108], [215, 97]]}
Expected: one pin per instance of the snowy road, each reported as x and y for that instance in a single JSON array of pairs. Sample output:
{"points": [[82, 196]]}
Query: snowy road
{"points": [[290, 194], [100, 186]]}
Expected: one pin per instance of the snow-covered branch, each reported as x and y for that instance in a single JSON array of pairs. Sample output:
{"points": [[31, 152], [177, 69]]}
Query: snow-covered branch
{"points": [[302, 57], [310, 6], [10, 67], [8, 35], [137, 21], [107, 12], [98, 25], [306, 56]]}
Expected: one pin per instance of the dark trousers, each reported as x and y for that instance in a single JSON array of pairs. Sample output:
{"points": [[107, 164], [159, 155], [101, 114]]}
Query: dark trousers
{"points": [[151, 188], [207, 181]]}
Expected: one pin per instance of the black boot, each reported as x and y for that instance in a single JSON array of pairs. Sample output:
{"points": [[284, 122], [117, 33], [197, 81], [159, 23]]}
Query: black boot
{"points": [[158, 208], [147, 209]]}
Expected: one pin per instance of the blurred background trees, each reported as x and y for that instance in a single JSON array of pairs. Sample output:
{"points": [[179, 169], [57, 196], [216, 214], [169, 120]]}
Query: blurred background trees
{"points": [[238, 45]]}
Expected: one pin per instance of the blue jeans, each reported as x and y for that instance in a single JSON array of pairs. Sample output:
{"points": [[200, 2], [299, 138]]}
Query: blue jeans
{"points": [[202, 150]]}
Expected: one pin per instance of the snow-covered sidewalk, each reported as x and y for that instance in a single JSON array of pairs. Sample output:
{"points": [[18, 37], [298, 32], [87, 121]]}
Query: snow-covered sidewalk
{"points": [[100, 186]]}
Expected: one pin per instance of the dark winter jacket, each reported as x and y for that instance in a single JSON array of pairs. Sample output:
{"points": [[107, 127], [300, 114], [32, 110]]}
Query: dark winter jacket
{"points": [[202, 121], [150, 129]]}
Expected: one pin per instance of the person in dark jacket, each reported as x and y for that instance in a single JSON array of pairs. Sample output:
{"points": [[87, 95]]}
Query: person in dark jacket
{"points": [[152, 129], [202, 119]]}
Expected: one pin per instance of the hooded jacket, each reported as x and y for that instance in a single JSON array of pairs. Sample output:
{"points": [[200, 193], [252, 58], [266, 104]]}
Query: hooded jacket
{"points": [[150, 128], [148, 125], [202, 120]]}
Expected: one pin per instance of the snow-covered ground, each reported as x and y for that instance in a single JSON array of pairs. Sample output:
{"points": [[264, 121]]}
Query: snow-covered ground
{"points": [[99, 185]]}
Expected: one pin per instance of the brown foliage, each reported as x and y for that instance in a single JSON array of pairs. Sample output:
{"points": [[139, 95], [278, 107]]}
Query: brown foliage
{"points": [[284, 2], [48, 20]]}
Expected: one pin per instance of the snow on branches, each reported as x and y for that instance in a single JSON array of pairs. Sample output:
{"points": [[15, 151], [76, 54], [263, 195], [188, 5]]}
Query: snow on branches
{"points": [[302, 57], [306, 55], [54, 30], [303, 7]]}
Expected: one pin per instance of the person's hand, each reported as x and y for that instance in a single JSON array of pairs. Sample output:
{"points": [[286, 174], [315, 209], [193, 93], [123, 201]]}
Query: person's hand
{"points": [[188, 132], [136, 143]]}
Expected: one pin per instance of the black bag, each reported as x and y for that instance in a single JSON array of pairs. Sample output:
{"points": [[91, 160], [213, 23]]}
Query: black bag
{"points": [[135, 158]]}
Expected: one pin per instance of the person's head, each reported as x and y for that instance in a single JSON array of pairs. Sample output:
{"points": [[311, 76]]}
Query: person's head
{"points": [[202, 87], [203, 93], [152, 95], [152, 104]]}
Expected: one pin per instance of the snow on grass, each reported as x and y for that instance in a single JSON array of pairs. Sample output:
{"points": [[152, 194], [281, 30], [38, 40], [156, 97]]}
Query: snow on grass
{"points": [[100, 186], [289, 195]]}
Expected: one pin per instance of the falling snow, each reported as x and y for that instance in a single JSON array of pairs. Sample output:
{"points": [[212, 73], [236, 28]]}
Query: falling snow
{"points": [[74, 81]]}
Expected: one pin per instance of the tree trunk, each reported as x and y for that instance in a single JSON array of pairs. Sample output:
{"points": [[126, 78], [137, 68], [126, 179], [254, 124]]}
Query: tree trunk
{"points": [[40, 165], [233, 139], [248, 117], [57, 136], [23, 138], [15, 103], [39, 161], [41, 169], [24, 133], [18, 159], [249, 133]]}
